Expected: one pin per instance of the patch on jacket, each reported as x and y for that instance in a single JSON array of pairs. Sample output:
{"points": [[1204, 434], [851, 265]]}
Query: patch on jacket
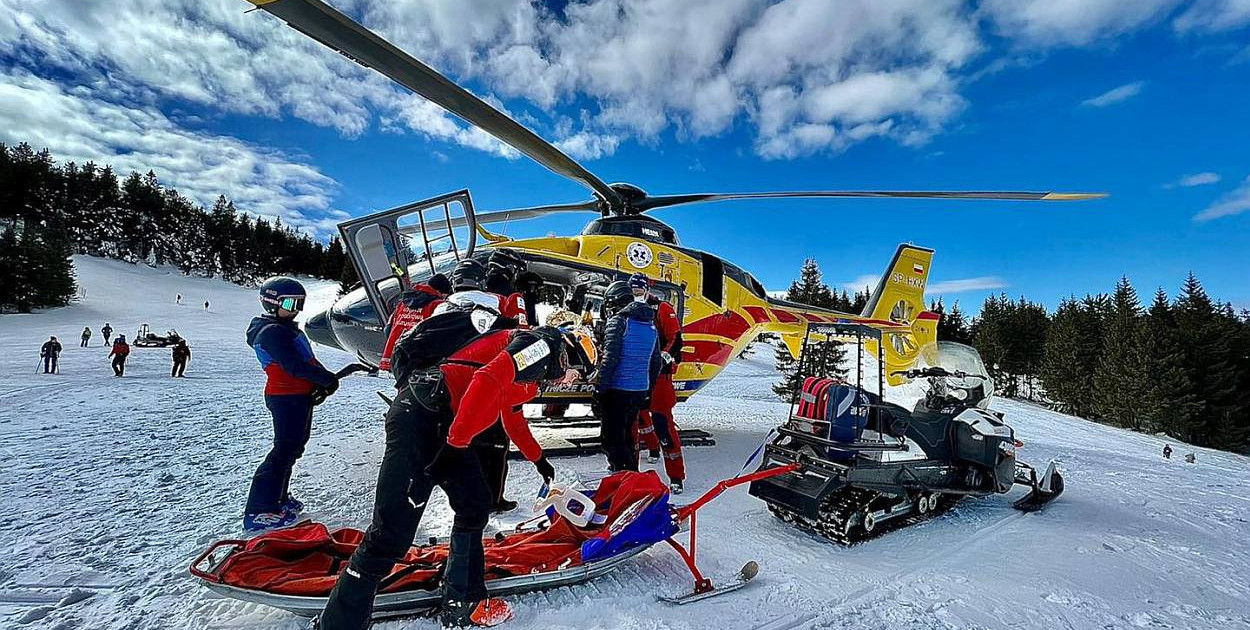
{"points": [[531, 354]]}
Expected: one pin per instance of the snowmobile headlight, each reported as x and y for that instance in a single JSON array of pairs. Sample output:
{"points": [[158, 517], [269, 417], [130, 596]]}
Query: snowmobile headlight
{"points": [[959, 394]]}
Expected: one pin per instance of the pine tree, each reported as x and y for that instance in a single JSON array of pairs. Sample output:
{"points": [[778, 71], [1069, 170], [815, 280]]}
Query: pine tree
{"points": [[1120, 378], [1070, 354], [823, 358], [1205, 334], [1169, 405]]}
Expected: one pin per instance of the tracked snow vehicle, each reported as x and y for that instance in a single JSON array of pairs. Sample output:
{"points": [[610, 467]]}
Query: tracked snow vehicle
{"points": [[867, 465]]}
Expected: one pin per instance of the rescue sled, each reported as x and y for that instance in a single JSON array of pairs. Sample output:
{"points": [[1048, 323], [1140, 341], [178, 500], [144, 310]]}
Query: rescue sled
{"points": [[295, 568]]}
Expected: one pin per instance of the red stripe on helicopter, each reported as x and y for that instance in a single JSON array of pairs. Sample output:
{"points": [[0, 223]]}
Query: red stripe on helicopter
{"points": [[757, 313], [784, 317], [812, 317], [929, 315], [728, 324], [713, 352]]}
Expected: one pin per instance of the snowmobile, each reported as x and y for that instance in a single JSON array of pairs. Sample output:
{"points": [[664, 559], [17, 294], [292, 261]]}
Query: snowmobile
{"points": [[145, 338], [866, 465], [575, 537]]}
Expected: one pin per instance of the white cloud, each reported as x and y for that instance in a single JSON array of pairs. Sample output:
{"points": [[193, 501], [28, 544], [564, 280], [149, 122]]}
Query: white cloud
{"points": [[1196, 179], [1047, 23], [1115, 95], [77, 127], [1213, 15], [1235, 202], [867, 281], [980, 283]]}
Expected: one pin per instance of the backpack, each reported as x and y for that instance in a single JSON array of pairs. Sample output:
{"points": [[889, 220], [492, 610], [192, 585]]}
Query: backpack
{"points": [[438, 336]]}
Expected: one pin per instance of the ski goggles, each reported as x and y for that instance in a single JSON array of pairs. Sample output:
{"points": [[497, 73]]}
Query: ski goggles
{"points": [[293, 303]]}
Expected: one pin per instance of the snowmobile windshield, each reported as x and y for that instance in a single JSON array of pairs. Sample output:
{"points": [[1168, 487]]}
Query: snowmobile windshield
{"points": [[956, 357]]}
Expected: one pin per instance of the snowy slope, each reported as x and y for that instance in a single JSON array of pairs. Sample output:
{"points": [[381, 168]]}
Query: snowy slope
{"points": [[110, 486]]}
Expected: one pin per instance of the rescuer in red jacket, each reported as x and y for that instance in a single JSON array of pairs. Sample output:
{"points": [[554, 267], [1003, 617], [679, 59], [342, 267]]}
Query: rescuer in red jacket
{"points": [[656, 428], [414, 306], [429, 427]]}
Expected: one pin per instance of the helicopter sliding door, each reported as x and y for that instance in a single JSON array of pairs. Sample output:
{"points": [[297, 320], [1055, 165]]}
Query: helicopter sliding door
{"points": [[394, 249]]}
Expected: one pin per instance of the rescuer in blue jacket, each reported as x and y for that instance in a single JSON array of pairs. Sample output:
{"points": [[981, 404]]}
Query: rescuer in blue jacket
{"points": [[293, 375], [629, 363]]}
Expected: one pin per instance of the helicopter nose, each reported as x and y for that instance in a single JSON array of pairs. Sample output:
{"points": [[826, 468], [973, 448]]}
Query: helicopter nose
{"points": [[319, 331]]}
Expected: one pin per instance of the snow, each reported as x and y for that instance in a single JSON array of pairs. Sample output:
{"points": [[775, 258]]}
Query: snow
{"points": [[111, 486]]}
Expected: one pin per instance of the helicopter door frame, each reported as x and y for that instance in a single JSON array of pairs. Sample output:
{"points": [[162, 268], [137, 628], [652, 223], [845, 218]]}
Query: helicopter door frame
{"points": [[379, 249]]}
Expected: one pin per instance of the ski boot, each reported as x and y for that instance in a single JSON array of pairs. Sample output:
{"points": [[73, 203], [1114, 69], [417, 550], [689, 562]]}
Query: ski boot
{"points": [[483, 613], [676, 487], [293, 505], [503, 505], [653, 457], [265, 521]]}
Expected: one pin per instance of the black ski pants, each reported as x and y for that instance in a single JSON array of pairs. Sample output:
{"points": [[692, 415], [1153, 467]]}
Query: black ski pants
{"points": [[618, 411], [84, 342], [180, 366], [292, 426], [414, 434], [49, 364], [491, 448], [119, 365]]}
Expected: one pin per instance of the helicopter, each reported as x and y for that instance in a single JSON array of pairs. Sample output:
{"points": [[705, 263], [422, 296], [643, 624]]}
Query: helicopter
{"points": [[723, 307]]}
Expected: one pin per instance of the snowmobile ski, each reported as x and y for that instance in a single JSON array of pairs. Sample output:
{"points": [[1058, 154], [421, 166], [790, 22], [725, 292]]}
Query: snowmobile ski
{"points": [[1045, 490], [744, 577]]}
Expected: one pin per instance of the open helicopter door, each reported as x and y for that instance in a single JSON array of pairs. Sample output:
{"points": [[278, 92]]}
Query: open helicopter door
{"points": [[393, 249]]}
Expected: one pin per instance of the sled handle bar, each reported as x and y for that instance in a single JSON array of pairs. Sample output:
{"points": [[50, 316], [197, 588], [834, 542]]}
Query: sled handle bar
{"points": [[686, 511], [213, 574]]}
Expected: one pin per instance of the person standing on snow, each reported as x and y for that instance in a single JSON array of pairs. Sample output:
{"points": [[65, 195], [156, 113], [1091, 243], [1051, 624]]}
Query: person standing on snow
{"points": [[414, 307], [1167, 451], [178, 300], [293, 375], [49, 352], [206, 305], [656, 428], [86, 336], [429, 429], [107, 331], [629, 363], [181, 354], [469, 282], [121, 350]]}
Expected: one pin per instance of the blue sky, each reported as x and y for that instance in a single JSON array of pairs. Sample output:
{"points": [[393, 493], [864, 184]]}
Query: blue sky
{"points": [[1143, 100]]}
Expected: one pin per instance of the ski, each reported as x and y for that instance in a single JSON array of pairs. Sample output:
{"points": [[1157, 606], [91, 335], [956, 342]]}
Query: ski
{"points": [[744, 577]]}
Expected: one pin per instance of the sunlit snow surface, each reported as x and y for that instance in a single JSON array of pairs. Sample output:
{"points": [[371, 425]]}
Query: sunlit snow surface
{"points": [[109, 487]]}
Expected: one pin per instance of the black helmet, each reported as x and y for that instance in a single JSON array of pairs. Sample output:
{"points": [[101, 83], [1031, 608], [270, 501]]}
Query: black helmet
{"points": [[469, 274], [282, 292], [617, 296], [440, 283]]}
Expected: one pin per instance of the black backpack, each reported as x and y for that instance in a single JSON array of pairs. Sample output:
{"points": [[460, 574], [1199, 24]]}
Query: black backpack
{"points": [[436, 338]]}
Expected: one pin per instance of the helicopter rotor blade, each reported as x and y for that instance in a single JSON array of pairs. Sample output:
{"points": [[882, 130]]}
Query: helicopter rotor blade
{"points": [[335, 30], [664, 201], [501, 216]]}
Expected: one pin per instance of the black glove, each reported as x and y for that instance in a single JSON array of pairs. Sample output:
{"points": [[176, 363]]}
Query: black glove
{"points": [[545, 469], [320, 393], [447, 463]]}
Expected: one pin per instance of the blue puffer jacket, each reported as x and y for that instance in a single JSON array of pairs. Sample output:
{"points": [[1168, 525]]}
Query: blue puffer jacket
{"points": [[630, 356]]}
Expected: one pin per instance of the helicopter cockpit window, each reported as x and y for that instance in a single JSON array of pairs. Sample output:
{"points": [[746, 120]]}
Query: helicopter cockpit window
{"points": [[713, 285]]}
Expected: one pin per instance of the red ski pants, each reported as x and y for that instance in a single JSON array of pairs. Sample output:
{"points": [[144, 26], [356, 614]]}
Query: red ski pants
{"points": [[658, 432]]}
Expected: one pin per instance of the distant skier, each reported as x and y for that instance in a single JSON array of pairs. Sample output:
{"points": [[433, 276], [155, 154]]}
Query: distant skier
{"points": [[293, 375], [206, 305], [107, 331], [1167, 451], [1191, 459], [86, 336], [178, 300], [49, 352], [629, 362], [121, 350], [181, 354]]}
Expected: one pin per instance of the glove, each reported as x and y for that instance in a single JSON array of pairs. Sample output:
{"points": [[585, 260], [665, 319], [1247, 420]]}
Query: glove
{"points": [[447, 463], [545, 469], [667, 358], [321, 393]]}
